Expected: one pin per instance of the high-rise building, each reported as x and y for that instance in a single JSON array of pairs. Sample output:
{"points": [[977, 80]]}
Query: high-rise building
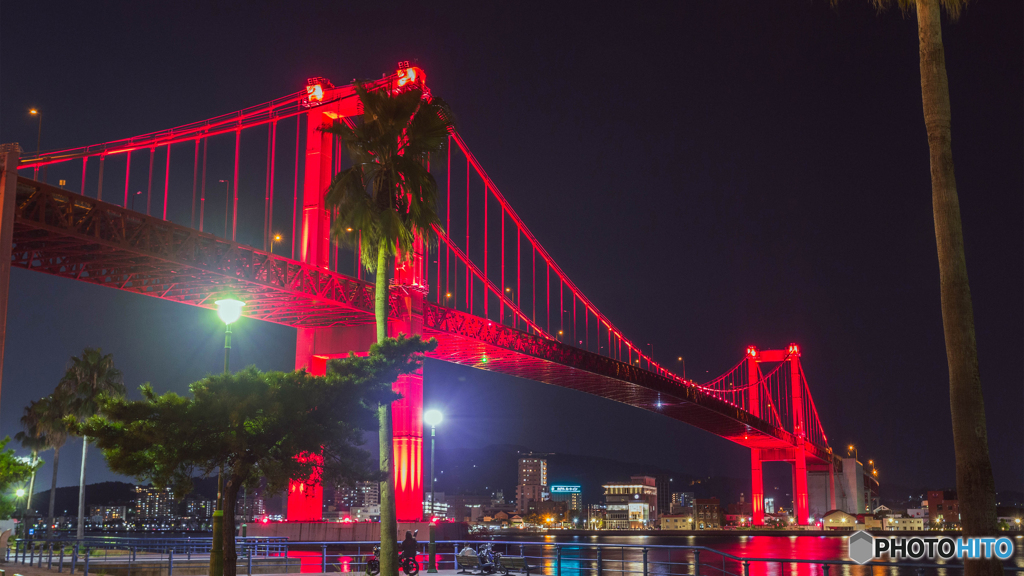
{"points": [[680, 501], [437, 508], [769, 505], [533, 481], [568, 493], [153, 502], [663, 483], [365, 493], [631, 505], [108, 513]]}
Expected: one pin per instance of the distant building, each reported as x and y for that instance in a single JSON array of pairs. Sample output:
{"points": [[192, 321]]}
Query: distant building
{"points": [[365, 513], [739, 513], [533, 481], [250, 507], [571, 494], [109, 513], [838, 520], [437, 508], [683, 499], [676, 522], [153, 502], [631, 505], [899, 523], [199, 508], [943, 507], [663, 483], [769, 505], [550, 510], [467, 507], [596, 515], [707, 514]]}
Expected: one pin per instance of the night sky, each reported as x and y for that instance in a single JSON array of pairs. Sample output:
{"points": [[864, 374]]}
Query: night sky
{"points": [[711, 174]]}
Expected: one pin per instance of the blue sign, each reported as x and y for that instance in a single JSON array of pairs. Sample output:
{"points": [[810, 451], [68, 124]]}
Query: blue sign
{"points": [[564, 489]]}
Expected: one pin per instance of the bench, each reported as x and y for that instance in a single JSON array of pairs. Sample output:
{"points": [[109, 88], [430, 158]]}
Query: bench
{"points": [[516, 563], [467, 562]]}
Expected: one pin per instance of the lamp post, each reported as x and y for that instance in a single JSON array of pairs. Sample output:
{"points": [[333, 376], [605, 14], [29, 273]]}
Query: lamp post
{"points": [[276, 239], [24, 530], [432, 417], [229, 310], [227, 204], [853, 449], [133, 199], [39, 138]]}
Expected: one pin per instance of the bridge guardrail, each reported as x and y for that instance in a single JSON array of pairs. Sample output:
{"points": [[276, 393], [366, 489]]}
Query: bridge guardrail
{"points": [[554, 558]]}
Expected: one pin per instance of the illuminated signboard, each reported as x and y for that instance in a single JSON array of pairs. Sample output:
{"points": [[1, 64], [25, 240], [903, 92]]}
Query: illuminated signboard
{"points": [[564, 489]]}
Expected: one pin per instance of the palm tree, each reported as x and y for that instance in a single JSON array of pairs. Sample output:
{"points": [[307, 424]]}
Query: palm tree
{"points": [[390, 197], [34, 439], [974, 481], [87, 379], [51, 412]]}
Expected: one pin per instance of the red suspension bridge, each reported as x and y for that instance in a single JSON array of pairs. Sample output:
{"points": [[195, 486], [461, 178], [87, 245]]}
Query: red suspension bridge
{"points": [[489, 292]]}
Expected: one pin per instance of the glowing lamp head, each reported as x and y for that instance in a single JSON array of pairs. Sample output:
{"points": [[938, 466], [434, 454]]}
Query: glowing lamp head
{"points": [[433, 417], [20, 492], [229, 309], [794, 349], [33, 111], [277, 237], [752, 351]]}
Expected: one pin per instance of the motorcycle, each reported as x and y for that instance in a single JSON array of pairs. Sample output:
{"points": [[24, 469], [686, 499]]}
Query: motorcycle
{"points": [[408, 564]]}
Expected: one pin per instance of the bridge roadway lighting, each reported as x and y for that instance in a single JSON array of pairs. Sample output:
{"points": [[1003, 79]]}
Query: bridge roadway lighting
{"points": [[39, 135], [277, 238], [433, 418]]}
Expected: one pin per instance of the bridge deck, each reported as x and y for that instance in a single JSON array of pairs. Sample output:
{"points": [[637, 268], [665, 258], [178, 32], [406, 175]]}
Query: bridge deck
{"points": [[73, 236]]}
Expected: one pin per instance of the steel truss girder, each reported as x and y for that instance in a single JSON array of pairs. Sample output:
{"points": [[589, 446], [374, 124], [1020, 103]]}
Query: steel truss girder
{"points": [[479, 342], [73, 236]]}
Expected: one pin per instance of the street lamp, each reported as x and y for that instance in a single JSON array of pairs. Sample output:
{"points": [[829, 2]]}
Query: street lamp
{"points": [[275, 240], [39, 137], [229, 310], [227, 204], [433, 418], [852, 448], [20, 492], [139, 193]]}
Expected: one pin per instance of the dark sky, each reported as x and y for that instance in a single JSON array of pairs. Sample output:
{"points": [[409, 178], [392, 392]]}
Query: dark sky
{"points": [[712, 174]]}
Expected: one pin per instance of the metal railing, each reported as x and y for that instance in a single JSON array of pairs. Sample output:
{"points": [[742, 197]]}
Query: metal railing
{"points": [[118, 555]]}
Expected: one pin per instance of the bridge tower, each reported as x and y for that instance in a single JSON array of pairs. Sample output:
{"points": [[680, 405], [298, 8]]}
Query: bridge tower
{"points": [[314, 346], [797, 455], [756, 480]]}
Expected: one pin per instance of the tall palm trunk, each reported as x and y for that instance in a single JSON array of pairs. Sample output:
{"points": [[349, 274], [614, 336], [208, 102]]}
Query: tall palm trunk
{"points": [[80, 532], [32, 481], [974, 480], [388, 514], [53, 489]]}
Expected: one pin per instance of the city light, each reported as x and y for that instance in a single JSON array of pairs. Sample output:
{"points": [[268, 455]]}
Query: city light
{"points": [[229, 309], [20, 492], [433, 417]]}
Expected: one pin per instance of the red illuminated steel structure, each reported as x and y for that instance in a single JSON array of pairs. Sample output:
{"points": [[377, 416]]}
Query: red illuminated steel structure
{"points": [[497, 301], [315, 346]]}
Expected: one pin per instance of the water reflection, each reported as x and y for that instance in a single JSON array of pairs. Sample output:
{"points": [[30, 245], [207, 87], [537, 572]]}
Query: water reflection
{"points": [[616, 561]]}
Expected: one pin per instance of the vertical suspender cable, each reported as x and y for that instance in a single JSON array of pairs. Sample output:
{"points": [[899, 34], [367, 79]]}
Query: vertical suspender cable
{"points": [[127, 173], [85, 161], [448, 219], [295, 198], [469, 281], [266, 191], [149, 186], [99, 187], [167, 179], [202, 186], [195, 176], [273, 162], [234, 209], [486, 238]]}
